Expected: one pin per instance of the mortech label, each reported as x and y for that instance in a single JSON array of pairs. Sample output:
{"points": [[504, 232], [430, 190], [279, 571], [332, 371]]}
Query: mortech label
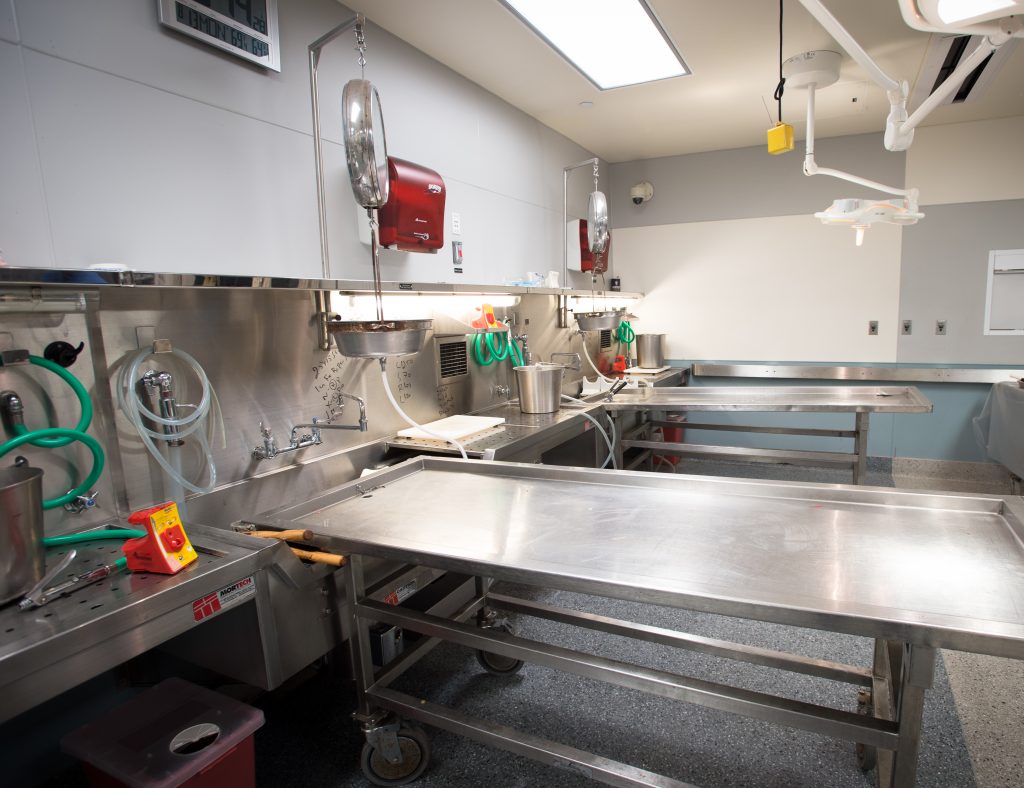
{"points": [[211, 604]]}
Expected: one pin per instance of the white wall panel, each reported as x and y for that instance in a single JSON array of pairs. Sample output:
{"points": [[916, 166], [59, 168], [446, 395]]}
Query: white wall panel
{"points": [[765, 289], [968, 162], [129, 181], [24, 234]]}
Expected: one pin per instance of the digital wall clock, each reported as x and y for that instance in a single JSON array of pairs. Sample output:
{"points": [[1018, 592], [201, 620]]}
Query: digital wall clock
{"points": [[245, 28]]}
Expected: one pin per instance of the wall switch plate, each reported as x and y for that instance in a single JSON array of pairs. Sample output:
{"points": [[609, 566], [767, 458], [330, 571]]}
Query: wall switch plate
{"points": [[456, 224], [873, 328], [940, 328], [907, 327]]}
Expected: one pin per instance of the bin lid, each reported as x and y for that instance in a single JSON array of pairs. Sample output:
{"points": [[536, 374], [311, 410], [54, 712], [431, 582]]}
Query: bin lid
{"points": [[165, 735]]}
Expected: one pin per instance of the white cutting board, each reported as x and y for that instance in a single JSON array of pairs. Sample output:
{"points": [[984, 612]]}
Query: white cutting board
{"points": [[645, 370], [453, 427]]}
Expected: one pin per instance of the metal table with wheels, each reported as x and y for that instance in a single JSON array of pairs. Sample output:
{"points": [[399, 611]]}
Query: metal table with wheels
{"points": [[914, 571], [655, 404]]}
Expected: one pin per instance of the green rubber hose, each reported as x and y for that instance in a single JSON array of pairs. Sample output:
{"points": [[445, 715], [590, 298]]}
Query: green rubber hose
{"points": [[90, 536], [72, 435], [83, 400], [488, 348]]}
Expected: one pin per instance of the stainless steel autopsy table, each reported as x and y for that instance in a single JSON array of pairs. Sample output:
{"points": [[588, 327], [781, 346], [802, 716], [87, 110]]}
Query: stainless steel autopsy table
{"points": [[656, 404], [914, 571]]}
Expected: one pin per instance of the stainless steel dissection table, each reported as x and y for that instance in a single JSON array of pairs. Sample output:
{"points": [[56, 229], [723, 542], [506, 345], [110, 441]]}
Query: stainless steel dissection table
{"points": [[913, 571], [656, 404]]}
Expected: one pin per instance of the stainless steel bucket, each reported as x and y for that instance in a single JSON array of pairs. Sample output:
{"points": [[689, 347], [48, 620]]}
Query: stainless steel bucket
{"points": [[21, 531], [540, 387], [649, 352]]}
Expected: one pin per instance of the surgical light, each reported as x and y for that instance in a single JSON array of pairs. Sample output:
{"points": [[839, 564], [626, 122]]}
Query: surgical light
{"points": [[613, 43], [950, 11]]}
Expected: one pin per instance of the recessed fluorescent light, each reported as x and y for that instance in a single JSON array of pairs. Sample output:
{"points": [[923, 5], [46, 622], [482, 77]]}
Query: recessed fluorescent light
{"points": [[613, 43], [957, 10]]}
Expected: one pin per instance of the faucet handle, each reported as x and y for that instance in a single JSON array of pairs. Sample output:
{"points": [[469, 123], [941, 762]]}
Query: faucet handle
{"points": [[265, 431]]}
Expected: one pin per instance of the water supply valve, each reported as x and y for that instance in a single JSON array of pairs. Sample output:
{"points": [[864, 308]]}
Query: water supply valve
{"points": [[62, 353]]}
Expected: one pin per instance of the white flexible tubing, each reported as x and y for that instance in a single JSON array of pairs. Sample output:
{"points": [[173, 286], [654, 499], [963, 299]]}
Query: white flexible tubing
{"points": [[608, 441], [133, 408], [410, 422]]}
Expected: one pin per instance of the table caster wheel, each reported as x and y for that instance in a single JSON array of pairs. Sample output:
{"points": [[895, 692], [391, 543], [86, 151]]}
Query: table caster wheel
{"points": [[496, 663], [867, 755], [415, 755]]}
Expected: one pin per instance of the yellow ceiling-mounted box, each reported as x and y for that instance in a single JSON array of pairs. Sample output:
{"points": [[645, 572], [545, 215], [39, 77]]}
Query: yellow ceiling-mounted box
{"points": [[780, 139]]}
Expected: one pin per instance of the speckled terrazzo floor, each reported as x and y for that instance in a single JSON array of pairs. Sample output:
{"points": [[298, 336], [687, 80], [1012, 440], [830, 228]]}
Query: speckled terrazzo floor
{"points": [[698, 745]]}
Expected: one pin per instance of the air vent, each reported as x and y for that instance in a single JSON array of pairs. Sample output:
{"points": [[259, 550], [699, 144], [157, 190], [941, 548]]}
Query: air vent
{"points": [[941, 59], [452, 358], [606, 338]]}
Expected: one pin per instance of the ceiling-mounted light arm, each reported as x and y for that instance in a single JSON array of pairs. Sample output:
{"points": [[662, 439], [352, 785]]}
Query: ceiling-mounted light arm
{"points": [[565, 211], [811, 166], [899, 127], [988, 45], [853, 49]]}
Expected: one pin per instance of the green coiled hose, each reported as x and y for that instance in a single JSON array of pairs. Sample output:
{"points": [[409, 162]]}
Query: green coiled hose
{"points": [[89, 536], [56, 437], [71, 435], [625, 335], [487, 349]]}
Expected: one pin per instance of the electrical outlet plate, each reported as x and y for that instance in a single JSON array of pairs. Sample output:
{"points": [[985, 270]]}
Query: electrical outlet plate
{"points": [[907, 327], [940, 328], [873, 328]]}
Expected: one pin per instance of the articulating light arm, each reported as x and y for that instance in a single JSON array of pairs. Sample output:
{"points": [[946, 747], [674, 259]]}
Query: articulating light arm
{"points": [[811, 166]]}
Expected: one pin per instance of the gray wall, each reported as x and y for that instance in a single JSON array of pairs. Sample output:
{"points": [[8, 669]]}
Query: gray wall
{"points": [[943, 276], [127, 143]]}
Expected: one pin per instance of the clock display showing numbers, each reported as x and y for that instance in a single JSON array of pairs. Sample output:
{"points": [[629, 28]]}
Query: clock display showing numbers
{"points": [[246, 28]]}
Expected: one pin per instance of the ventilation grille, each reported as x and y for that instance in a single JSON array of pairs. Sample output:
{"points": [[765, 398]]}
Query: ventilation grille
{"points": [[606, 338], [453, 360]]}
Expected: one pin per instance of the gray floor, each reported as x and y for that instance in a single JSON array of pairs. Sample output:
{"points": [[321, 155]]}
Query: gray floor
{"points": [[972, 718]]}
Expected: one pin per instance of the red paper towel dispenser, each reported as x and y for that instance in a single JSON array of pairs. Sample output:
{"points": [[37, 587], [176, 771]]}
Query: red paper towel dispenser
{"points": [[579, 256], [412, 219]]}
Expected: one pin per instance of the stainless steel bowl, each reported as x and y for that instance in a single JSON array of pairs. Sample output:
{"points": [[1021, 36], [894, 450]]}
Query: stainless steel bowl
{"points": [[379, 339], [600, 321]]}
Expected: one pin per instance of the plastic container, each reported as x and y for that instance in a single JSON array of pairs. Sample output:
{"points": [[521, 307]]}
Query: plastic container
{"points": [[173, 734]]}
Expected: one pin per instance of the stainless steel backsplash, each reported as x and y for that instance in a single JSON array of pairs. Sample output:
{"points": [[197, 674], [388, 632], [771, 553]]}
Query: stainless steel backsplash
{"points": [[259, 349]]}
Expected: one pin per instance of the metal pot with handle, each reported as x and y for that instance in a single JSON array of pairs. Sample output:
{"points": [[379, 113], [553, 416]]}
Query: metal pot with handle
{"points": [[21, 531]]}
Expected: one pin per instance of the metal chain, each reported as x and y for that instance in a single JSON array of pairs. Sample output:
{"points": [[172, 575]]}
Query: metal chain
{"points": [[361, 49], [595, 176]]}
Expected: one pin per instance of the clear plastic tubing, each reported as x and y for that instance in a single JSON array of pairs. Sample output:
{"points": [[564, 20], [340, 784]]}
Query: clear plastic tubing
{"points": [[135, 409], [610, 442], [410, 422], [590, 361]]}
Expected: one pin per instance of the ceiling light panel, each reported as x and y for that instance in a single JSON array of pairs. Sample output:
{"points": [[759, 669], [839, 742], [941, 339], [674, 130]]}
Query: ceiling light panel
{"points": [[613, 43]]}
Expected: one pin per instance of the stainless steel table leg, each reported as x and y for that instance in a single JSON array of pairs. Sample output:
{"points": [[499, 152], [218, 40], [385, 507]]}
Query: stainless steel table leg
{"points": [[915, 678], [359, 635], [860, 448]]}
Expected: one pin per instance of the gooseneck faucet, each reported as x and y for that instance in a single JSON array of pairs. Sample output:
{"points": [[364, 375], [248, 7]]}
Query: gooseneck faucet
{"points": [[269, 449]]}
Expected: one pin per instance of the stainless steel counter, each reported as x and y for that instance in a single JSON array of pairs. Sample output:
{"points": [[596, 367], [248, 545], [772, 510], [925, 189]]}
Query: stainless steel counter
{"points": [[55, 647], [826, 399], [914, 571]]}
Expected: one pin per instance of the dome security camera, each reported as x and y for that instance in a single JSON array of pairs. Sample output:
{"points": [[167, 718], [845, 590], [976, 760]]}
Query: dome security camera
{"points": [[641, 193]]}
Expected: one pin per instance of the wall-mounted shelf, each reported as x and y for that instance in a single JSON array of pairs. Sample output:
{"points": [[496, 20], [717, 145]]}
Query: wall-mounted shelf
{"points": [[78, 278]]}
